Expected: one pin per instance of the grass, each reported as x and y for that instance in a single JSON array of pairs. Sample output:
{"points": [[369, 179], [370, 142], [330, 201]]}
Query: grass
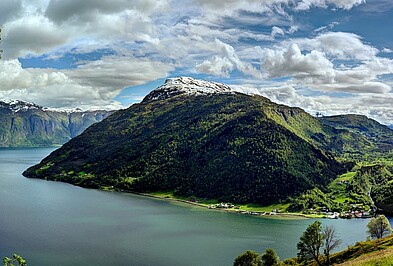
{"points": [[374, 252], [378, 258], [258, 208], [207, 202], [338, 188], [345, 177], [282, 208]]}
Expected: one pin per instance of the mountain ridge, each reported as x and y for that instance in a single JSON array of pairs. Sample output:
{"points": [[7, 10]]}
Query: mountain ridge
{"points": [[25, 124]]}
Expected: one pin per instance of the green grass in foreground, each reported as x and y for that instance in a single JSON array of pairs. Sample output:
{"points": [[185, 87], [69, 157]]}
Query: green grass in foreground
{"points": [[378, 258], [367, 253]]}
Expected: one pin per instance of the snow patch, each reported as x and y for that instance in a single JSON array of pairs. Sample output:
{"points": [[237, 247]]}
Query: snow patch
{"points": [[186, 85]]}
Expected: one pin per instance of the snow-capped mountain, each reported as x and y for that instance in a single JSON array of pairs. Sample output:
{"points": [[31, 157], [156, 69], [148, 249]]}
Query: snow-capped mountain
{"points": [[17, 105], [186, 85], [25, 124]]}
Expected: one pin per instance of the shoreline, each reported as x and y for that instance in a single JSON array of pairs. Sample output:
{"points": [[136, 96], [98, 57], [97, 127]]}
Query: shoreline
{"points": [[294, 216]]}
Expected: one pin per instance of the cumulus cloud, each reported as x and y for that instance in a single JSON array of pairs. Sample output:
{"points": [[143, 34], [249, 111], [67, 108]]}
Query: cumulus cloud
{"points": [[151, 38], [226, 62], [341, 45], [92, 85], [39, 27], [316, 70], [31, 35], [279, 63], [375, 106], [217, 66], [60, 11]]}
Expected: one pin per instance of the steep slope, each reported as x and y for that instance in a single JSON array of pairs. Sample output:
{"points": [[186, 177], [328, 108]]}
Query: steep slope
{"points": [[200, 139], [24, 124], [380, 137], [337, 140]]}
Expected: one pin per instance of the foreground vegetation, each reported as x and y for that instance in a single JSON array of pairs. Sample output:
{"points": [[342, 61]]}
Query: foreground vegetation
{"points": [[317, 243], [16, 260]]}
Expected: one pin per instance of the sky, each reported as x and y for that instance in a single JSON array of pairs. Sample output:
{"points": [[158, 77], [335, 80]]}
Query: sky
{"points": [[327, 56]]}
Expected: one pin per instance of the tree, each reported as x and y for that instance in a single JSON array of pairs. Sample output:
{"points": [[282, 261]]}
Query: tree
{"points": [[331, 242], [378, 227], [311, 242], [15, 261], [269, 258], [248, 258]]}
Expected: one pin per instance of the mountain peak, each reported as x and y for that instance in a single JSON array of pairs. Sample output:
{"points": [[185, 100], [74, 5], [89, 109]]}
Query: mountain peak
{"points": [[186, 85], [17, 105]]}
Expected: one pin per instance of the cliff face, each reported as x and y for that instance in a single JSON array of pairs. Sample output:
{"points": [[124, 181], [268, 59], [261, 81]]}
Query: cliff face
{"points": [[25, 124]]}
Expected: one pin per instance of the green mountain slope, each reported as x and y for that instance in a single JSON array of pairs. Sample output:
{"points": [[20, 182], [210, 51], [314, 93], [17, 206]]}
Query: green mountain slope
{"points": [[217, 145], [24, 124], [379, 137]]}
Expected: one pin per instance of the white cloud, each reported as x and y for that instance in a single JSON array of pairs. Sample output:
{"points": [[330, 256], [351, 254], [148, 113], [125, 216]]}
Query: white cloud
{"points": [[92, 85], [316, 70], [375, 106], [75, 11], [279, 63], [327, 27], [9, 10], [343, 4], [40, 27], [341, 45], [216, 66], [225, 63], [151, 38], [229, 6], [277, 31], [31, 35]]}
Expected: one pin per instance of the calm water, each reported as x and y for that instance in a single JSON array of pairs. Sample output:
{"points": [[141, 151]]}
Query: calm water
{"points": [[51, 223]]}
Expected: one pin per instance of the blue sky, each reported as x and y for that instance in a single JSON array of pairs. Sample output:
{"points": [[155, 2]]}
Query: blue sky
{"points": [[328, 56]]}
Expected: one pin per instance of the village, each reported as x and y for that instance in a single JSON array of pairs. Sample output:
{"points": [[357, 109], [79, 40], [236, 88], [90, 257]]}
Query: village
{"points": [[357, 212]]}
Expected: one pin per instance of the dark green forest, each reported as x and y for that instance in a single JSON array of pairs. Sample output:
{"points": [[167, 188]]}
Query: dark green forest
{"points": [[230, 147]]}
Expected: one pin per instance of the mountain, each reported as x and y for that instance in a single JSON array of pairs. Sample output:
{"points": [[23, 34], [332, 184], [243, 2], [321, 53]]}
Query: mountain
{"points": [[202, 139], [380, 137], [24, 124]]}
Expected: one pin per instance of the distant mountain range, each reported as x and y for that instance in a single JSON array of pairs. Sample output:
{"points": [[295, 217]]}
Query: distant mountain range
{"points": [[24, 124], [199, 138]]}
